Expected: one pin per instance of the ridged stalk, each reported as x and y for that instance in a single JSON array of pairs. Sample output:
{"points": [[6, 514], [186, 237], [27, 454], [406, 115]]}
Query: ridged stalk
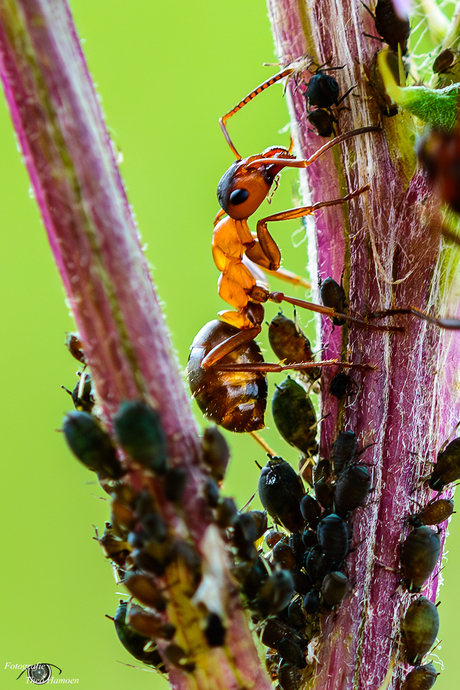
{"points": [[386, 250], [93, 236]]}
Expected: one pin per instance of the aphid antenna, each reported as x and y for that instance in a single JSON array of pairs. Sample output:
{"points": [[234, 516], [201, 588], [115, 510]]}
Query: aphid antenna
{"points": [[449, 439], [138, 668], [248, 503]]}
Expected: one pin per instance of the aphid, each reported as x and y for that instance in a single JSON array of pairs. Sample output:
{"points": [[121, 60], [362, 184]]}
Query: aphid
{"points": [[439, 153], [178, 658], [226, 512], [272, 660], [215, 631], [333, 538], [291, 652], [294, 416], [280, 491], [275, 593], [91, 444], [419, 555], [289, 677], [323, 121], [322, 90], [447, 468], [386, 105], [333, 295], [334, 588], [83, 394], [311, 511], [215, 452], [276, 630], [317, 565], [324, 493], [420, 628], [150, 519], [174, 482], [290, 344], [351, 489], [211, 493], [444, 61], [434, 513], [283, 556], [343, 451], [273, 537], [393, 29], [312, 602], [421, 678], [140, 434], [149, 623], [143, 586], [251, 576], [134, 642], [75, 347], [245, 533], [309, 538], [295, 613], [113, 545], [340, 385]]}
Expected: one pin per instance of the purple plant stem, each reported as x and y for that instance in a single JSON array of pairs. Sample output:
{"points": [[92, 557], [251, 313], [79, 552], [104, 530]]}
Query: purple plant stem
{"points": [[408, 407], [93, 236]]}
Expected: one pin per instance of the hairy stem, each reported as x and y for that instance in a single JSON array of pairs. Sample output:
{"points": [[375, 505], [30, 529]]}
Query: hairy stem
{"points": [[388, 256]]}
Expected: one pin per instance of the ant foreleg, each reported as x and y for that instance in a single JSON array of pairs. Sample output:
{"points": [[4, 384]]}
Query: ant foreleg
{"points": [[449, 323], [271, 367], [328, 311]]}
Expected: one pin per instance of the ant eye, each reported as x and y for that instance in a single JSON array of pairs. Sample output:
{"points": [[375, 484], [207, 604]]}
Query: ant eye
{"points": [[238, 196]]}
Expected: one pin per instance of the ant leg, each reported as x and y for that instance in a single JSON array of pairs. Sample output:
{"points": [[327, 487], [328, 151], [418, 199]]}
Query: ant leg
{"points": [[271, 367], [282, 274], [297, 163], [292, 69], [328, 311], [446, 322], [247, 99], [266, 241], [219, 351]]}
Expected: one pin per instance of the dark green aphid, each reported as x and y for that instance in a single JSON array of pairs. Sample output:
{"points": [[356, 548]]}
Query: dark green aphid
{"points": [[311, 511], [333, 296], [343, 451], [312, 602], [280, 491], [420, 628], [294, 416], [334, 588], [290, 344], [140, 434], [340, 384], [352, 489], [83, 394], [133, 642], [275, 593], [333, 539], [421, 678], [419, 555], [447, 468], [216, 452], [289, 677], [292, 653], [91, 444], [434, 513], [178, 658]]}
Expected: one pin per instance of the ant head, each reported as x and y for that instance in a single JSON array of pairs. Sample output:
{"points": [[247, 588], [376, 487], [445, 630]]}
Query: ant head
{"points": [[247, 182]]}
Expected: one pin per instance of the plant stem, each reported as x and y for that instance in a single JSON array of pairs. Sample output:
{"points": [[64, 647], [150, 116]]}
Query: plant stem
{"points": [[388, 256]]}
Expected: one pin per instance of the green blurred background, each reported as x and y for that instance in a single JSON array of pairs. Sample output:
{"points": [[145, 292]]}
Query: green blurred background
{"points": [[165, 73]]}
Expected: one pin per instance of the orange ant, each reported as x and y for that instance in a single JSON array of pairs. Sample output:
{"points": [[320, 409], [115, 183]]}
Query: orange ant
{"points": [[241, 190]]}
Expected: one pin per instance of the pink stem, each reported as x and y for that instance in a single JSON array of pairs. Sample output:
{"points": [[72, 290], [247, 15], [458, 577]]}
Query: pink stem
{"points": [[388, 257], [93, 236]]}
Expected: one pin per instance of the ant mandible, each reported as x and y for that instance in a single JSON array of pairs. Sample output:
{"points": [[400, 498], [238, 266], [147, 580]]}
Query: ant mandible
{"points": [[241, 190]]}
